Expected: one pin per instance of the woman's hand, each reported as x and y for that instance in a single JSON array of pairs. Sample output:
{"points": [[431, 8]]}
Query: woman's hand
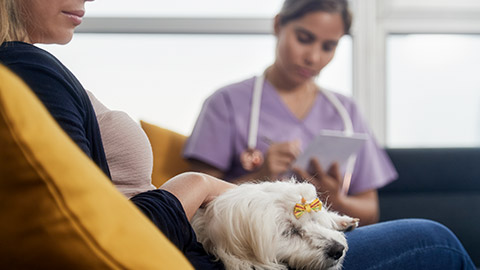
{"points": [[328, 183], [279, 159]]}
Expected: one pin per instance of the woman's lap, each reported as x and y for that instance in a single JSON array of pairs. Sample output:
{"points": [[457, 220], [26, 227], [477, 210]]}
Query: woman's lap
{"points": [[405, 244], [402, 244]]}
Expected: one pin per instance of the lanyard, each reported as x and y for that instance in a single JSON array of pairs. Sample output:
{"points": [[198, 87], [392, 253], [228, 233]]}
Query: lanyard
{"points": [[347, 124]]}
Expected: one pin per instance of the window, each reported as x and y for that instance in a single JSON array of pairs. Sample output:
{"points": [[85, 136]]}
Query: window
{"points": [[433, 90], [159, 60], [165, 78], [184, 8], [155, 55], [387, 33]]}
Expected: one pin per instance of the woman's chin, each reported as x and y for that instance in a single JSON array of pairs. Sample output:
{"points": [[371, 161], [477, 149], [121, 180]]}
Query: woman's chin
{"points": [[64, 38], [65, 41], [60, 39]]}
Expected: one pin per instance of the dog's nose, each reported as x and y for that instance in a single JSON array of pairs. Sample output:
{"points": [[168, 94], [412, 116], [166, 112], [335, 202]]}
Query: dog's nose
{"points": [[335, 251]]}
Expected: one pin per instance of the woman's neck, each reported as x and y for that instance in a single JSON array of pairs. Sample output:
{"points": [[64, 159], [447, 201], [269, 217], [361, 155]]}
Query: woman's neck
{"points": [[298, 98]]}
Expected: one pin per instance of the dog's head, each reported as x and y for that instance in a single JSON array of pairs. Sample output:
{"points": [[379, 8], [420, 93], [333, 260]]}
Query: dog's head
{"points": [[257, 223], [308, 235]]}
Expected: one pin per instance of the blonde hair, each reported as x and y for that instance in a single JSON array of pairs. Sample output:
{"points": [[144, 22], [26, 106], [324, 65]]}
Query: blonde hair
{"points": [[12, 26]]}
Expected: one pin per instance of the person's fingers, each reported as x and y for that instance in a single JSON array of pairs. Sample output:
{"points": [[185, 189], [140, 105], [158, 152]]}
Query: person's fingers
{"points": [[291, 149], [301, 174], [295, 148], [279, 165], [284, 159], [334, 171], [305, 176], [316, 168], [281, 156]]}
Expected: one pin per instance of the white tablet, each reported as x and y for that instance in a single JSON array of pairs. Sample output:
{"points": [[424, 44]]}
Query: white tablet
{"points": [[331, 146]]}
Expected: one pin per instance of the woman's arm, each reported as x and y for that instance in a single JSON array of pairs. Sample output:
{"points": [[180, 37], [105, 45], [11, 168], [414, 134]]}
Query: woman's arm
{"points": [[202, 167], [195, 190], [278, 160], [58, 96]]}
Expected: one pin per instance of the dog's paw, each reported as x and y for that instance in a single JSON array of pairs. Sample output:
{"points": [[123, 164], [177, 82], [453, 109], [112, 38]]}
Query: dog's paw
{"points": [[352, 224], [346, 223]]}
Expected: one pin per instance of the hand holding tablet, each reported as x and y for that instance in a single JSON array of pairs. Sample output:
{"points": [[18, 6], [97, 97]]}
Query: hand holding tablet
{"points": [[331, 146]]}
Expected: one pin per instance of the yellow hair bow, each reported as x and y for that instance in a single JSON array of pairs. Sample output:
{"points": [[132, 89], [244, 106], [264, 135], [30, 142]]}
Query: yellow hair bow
{"points": [[300, 209]]}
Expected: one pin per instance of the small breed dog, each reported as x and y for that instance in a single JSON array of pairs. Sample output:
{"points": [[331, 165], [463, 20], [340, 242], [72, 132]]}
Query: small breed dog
{"points": [[273, 225]]}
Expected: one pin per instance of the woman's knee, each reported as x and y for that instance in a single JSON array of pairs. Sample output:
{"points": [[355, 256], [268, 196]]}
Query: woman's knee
{"points": [[404, 242], [428, 231]]}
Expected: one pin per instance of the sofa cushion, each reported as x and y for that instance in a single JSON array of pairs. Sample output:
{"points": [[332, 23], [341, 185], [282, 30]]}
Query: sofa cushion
{"points": [[435, 170], [440, 184], [167, 148], [58, 209]]}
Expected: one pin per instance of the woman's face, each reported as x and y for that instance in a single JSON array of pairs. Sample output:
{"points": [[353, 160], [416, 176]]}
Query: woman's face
{"points": [[306, 45], [52, 21]]}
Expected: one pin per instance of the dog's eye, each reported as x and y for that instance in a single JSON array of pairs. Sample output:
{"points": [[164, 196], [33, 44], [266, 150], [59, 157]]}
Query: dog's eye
{"points": [[294, 231]]}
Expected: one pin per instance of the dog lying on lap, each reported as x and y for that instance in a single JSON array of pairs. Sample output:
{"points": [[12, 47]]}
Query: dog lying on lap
{"points": [[273, 225]]}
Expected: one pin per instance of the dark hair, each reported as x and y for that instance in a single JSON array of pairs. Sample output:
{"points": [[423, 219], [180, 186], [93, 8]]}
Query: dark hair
{"points": [[295, 9]]}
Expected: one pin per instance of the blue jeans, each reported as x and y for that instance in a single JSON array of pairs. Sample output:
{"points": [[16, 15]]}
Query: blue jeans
{"points": [[405, 244]]}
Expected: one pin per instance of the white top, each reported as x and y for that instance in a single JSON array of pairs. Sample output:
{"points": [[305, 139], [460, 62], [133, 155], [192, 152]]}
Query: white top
{"points": [[127, 148]]}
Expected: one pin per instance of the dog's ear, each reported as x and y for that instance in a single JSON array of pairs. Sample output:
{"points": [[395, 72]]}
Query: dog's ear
{"points": [[260, 233], [247, 229]]}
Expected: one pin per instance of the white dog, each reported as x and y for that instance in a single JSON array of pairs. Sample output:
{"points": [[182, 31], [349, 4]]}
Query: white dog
{"points": [[273, 225]]}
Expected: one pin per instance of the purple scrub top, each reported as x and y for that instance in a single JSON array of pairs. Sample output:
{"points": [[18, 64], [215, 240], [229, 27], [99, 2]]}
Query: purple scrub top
{"points": [[220, 134]]}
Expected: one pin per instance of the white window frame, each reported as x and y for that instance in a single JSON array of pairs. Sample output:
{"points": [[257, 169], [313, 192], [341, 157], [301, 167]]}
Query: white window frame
{"points": [[142, 25], [376, 19]]}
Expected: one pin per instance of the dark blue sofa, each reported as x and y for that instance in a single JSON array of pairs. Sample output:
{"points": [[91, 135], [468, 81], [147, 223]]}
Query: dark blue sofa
{"points": [[441, 184]]}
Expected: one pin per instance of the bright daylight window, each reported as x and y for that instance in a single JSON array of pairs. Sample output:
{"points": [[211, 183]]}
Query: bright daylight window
{"points": [[164, 79], [433, 90], [430, 83], [184, 8]]}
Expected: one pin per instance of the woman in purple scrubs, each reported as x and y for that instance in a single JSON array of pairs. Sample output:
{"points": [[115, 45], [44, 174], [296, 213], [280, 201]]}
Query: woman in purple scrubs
{"points": [[293, 110]]}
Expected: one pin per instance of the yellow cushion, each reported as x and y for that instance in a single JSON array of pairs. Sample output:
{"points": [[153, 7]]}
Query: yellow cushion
{"points": [[58, 210], [167, 153]]}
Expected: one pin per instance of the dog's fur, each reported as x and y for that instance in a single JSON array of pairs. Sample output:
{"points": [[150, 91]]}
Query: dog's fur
{"points": [[253, 227]]}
